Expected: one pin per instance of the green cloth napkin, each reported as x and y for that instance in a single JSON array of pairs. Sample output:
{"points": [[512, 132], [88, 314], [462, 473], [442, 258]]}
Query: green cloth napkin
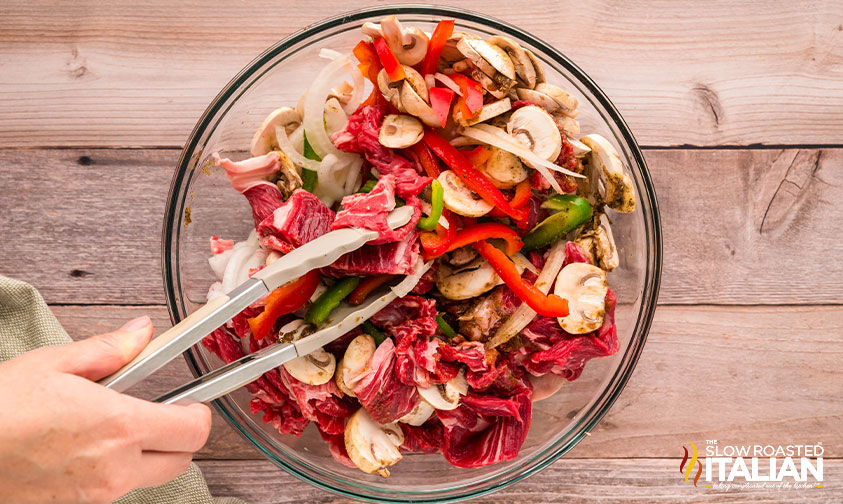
{"points": [[27, 323]]}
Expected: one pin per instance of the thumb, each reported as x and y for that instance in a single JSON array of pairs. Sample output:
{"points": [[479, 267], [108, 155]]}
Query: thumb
{"points": [[102, 355]]}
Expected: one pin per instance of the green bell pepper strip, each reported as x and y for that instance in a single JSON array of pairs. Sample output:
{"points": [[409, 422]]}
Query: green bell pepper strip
{"points": [[573, 211], [437, 203], [445, 327], [309, 177], [330, 299], [368, 186], [374, 332]]}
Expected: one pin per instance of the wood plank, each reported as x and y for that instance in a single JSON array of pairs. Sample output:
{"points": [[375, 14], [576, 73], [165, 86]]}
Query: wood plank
{"points": [[567, 480], [741, 375], [125, 74], [83, 225]]}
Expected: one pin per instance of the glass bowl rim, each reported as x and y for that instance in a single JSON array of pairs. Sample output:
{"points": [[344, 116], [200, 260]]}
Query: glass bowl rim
{"points": [[653, 239]]}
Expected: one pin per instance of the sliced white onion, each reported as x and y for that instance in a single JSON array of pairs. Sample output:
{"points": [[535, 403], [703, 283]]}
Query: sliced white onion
{"points": [[237, 269], [429, 81], [359, 88], [524, 314], [427, 208], [352, 175], [500, 139], [314, 107], [329, 53], [449, 82], [215, 291], [525, 263], [218, 262], [295, 156], [297, 139], [331, 179]]}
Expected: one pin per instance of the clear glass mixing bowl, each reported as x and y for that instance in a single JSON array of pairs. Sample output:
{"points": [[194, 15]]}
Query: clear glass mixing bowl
{"points": [[202, 203]]}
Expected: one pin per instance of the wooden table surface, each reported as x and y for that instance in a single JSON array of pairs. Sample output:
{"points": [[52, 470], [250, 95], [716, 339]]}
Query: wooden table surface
{"points": [[739, 108]]}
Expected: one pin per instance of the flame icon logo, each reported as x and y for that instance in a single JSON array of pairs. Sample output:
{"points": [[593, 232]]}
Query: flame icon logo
{"points": [[686, 470]]}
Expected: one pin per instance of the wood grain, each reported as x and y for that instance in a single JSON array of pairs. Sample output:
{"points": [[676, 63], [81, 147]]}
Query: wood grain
{"points": [[767, 375], [567, 480], [695, 73], [740, 226]]}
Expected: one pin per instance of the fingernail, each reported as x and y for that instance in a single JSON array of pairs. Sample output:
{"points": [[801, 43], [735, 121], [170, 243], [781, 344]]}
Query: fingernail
{"points": [[136, 324]]}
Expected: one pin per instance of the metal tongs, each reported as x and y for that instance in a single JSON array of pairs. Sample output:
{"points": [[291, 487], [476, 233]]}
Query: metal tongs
{"points": [[315, 254]]}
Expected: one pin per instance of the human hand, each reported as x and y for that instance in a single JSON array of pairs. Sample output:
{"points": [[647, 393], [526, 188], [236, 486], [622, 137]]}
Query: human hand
{"points": [[65, 438]]}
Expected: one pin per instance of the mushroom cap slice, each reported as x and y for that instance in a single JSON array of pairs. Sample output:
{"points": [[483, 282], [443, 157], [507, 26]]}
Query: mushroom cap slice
{"points": [[419, 414], [409, 46], [450, 52], [537, 66], [504, 169], [488, 111], [373, 30], [534, 127], [370, 445], [585, 287], [606, 175], [264, 139], [567, 125], [493, 56], [537, 98], [399, 131], [315, 368], [567, 103], [597, 240], [470, 280], [354, 362], [459, 198], [580, 149], [497, 86], [390, 90], [446, 396], [524, 68]]}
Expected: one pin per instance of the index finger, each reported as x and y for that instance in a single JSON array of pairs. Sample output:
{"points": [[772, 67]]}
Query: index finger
{"points": [[171, 427]]}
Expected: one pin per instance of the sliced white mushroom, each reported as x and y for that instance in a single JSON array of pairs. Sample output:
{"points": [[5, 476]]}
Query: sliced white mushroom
{"points": [[408, 45], [567, 125], [315, 368], [545, 386], [399, 131], [390, 90], [446, 396], [450, 52], [419, 414], [585, 287], [354, 362], [567, 103], [581, 150], [370, 445], [264, 139], [342, 92], [372, 29], [489, 58], [504, 169], [606, 175], [335, 117], [415, 99], [288, 175], [537, 66], [537, 98], [459, 198], [534, 127], [597, 240], [497, 87], [524, 68], [470, 280], [488, 111]]}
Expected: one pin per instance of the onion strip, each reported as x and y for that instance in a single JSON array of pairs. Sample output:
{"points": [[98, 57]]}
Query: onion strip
{"points": [[314, 108], [294, 155], [524, 314], [449, 82]]}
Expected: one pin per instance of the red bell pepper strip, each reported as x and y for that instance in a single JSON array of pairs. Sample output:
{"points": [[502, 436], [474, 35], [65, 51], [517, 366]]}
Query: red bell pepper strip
{"points": [[478, 155], [440, 36], [475, 179], [369, 65], [390, 63], [548, 305], [435, 243], [471, 100], [440, 102], [283, 300], [484, 231], [365, 287], [426, 159], [523, 192]]}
